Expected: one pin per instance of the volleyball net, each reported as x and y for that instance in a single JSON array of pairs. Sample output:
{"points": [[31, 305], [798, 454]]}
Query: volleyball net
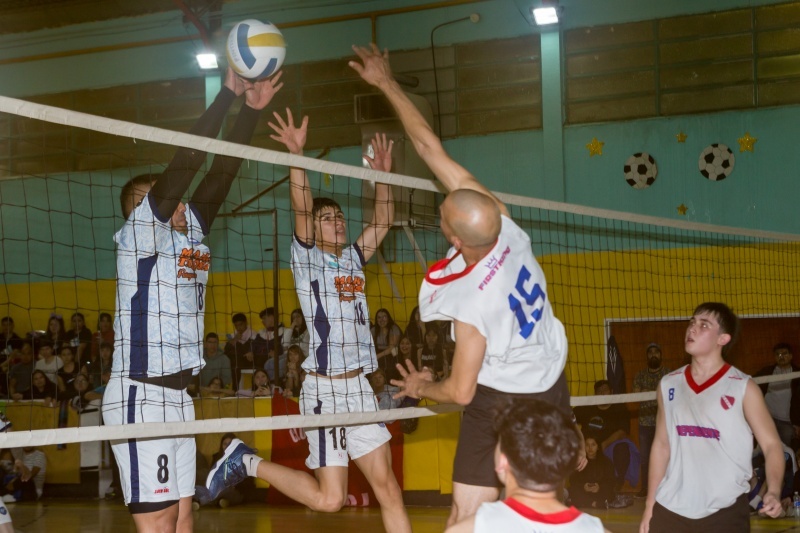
{"points": [[619, 282]]}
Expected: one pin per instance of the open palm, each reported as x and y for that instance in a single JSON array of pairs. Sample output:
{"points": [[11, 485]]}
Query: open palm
{"points": [[291, 136]]}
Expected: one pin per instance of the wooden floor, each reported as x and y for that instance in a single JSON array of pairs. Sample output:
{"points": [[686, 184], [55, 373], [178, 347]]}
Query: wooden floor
{"points": [[94, 516]]}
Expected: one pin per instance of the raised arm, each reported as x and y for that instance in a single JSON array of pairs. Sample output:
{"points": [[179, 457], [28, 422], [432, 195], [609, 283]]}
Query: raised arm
{"points": [[376, 72], [294, 138], [383, 214]]}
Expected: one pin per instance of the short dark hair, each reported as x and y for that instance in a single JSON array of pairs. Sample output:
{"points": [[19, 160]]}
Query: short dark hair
{"points": [[782, 346], [6, 320], [77, 314], [727, 320], [125, 196], [540, 442], [321, 203], [598, 384], [269, 311], [238, 317], [212, 335]]}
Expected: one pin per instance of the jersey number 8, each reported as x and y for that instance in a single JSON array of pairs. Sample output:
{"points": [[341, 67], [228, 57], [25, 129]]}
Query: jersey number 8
{"points": [[529, 299]]}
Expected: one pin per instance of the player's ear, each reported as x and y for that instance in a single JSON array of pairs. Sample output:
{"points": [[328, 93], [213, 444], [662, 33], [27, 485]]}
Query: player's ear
{"points": [[723, 339], [501, 467]]}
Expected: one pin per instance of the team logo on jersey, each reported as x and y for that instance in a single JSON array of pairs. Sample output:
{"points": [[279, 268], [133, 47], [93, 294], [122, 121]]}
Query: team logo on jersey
{"points": [[348, 287], [493, 265], [193, 260], [727, 401]]}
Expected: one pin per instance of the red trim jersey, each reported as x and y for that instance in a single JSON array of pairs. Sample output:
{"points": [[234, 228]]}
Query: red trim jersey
{"points": [[512, 516], [710, 442], [504, 296]]}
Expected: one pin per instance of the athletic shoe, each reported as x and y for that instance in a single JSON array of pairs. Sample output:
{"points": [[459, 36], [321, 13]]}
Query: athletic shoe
{"points": [[228, 472]]}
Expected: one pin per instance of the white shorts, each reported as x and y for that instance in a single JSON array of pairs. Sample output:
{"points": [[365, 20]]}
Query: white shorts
{"points": [[151, 470], [330, 446], [5, 516]]}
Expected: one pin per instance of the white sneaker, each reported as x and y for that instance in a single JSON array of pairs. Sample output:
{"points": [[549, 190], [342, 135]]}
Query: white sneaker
{"points": [[9, 498]]}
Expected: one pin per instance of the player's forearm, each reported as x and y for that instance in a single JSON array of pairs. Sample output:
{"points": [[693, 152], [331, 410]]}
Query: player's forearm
{"points": [[774, 466], [440, 391], [384, 206], [659, 459]]}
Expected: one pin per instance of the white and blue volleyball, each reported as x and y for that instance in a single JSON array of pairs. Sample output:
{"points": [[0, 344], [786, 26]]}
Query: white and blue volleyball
{"points": [[255, 49]]}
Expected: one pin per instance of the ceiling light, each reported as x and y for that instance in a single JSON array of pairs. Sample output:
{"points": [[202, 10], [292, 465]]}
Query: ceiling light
{"points": [[545, 15], [207, 61]]}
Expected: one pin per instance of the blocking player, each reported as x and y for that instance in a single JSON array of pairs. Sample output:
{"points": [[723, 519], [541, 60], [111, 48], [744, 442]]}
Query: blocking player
{"points": [[162, 270], [537, 450], [508, 342], [330, 285], [708, 413]]}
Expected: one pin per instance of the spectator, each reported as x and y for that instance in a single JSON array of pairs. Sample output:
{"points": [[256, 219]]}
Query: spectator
{"points": [[383, 392], [294, 371], [55, 335], [783, 397], [96, 368], [758, 483], [30, 469], [645, 381], [386, 335], [19, 377], [215, 389], [611, 424], [260, 387], [217, 363], [104, 333], [405, 351], [49, 363], [298, 332], [431, 355], [69, 371], [264, 346], [9, 341], [84, 393], [416, 328], [239, 348], [79, 337], [594, 485], [41, 389]]}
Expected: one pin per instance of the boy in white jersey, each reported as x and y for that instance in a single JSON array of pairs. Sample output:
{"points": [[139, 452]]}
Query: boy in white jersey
{"points": [[162, 272], [537, 449], [708, 413], [508, 341], [330, 286]]}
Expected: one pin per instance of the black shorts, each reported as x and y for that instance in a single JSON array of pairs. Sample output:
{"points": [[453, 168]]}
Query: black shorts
{"points": [[735, 518], [474, 462]]}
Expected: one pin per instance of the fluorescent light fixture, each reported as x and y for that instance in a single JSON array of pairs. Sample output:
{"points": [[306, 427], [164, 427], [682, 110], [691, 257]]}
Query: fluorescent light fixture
{"points": [[207, 61], [545, 15]]}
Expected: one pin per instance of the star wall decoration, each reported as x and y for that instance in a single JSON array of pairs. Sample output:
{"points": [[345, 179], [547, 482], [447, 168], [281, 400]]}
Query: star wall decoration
{"points": [[681, 137], [682, 210], [747, 142], [595, 147]]}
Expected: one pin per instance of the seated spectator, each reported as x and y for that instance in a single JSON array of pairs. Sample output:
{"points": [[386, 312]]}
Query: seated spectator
{"points": [[758, 482], [294, 372], [69, 371], [79, 337], [431, 355], [594, 485], [215, 389], [383, 391], [260, 387], [19, 376], [538, 448], [95, 368], [30, 470], [217, 363], [55, 335], [415, 330], [297, 333], [49, 363], [84, 393], [611, 424], [782, 397], [239, 348], [104, 333], [41, 389], [405, 352], [9, 341], [265, 347], [386, 335]]}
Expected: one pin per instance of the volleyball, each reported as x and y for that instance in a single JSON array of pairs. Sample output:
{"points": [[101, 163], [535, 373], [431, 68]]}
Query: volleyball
{"points": [[255, 49]]}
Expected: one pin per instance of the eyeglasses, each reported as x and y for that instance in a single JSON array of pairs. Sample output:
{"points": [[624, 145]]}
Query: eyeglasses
{"points": [[779, 354]]}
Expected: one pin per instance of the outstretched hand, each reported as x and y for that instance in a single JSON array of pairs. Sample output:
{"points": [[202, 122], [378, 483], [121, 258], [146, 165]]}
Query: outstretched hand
{"points": [[382, 153], [375, 70], [288, 134], [260, 93], [413, 381], [236, 83]]}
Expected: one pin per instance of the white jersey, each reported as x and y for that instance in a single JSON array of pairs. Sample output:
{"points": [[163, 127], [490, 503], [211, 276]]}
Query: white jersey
{"points": [[161, 280], [504, 296], [710, 442], [511, 516], [331, 294]]}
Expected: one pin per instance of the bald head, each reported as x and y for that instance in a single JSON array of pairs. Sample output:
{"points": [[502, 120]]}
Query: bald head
{"points": [[472, 217]]}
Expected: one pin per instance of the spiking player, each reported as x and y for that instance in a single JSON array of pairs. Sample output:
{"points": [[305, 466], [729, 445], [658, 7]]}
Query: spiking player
{"points": [[507, 339], [708, 413], [162, 270], [330, 285]]}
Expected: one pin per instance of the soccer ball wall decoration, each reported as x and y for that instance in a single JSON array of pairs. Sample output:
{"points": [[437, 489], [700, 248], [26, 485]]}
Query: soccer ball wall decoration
{"points": [[716, 162], [640, 170]]}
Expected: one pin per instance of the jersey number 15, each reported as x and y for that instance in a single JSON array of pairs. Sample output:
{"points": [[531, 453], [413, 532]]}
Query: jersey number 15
{"points": [[530, 299]]}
